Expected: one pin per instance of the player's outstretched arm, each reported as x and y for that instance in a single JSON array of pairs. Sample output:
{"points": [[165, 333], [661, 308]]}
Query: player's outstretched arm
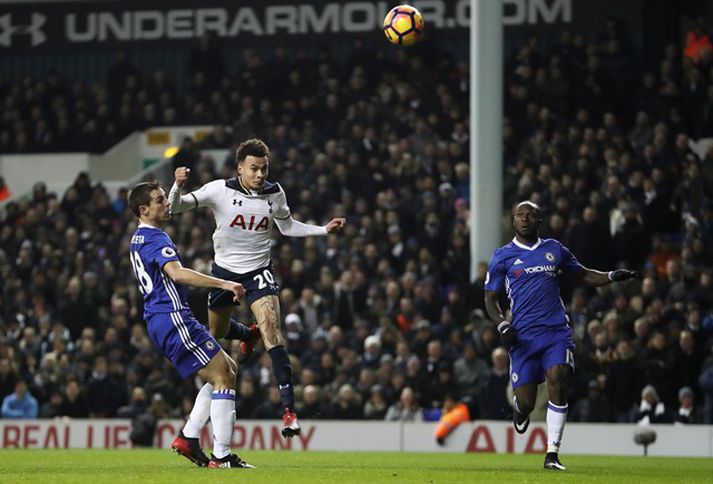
{"points": [[294, 228], [592, 277], [189, 277], [180, 203]]}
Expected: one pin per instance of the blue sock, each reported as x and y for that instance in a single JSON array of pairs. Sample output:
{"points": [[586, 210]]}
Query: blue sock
{"points": [[283, 374], [238, 331]]}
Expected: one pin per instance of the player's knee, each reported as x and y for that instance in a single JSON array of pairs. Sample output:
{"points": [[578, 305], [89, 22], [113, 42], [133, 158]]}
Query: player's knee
{"points": [[225, 378], [525, 405], [557, 380]]}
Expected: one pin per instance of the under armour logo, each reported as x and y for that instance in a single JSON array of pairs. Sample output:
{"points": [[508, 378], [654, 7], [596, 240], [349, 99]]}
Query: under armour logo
{"points": [[7, 29], [282, 387], [235, 202]]}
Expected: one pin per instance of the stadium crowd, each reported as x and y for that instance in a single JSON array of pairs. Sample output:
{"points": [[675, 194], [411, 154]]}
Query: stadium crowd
{"points": [[381, 321]]}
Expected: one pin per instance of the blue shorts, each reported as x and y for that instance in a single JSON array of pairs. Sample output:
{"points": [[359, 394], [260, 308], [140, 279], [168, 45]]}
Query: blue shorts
{"points": [[258, 283], [183, 340], [533, 355]]}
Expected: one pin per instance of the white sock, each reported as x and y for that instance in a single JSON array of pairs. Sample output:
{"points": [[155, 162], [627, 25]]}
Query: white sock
{"points": [[556, 417], [222, 414], [200, 413]]}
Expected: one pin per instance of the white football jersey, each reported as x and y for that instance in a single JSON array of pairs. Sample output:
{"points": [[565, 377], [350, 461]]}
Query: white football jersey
{"points": [[243, 221]]}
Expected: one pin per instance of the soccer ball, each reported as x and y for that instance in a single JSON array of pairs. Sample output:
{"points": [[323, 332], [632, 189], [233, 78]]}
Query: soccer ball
{"points": [[403, 25]]}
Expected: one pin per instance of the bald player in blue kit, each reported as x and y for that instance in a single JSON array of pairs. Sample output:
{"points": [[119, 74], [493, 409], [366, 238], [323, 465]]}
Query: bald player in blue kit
{"points": [[538, 336]]}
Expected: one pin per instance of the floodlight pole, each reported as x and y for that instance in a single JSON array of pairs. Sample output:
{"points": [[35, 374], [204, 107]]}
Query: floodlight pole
{"points": [[486, 88]]}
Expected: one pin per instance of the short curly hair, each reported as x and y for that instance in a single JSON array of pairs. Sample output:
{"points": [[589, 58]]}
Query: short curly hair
{"points": [[252, 147]]}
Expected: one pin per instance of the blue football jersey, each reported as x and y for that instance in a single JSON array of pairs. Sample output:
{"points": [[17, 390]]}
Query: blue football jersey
{"points": [[150, 249], [529, 277]]}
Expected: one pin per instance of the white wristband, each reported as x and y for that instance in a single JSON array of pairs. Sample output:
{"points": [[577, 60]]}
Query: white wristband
{"points": [[502, 325]]}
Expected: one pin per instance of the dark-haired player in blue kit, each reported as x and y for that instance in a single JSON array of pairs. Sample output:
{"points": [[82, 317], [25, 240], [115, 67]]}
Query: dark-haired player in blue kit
{"points": [[538, 335], [173, 328]]}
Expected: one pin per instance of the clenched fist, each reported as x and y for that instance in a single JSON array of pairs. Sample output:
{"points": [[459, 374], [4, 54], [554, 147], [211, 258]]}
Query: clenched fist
{"points": [[181, 175]]}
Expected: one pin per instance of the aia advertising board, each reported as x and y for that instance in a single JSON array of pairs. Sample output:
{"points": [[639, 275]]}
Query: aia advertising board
{"points": [[474, 437]]}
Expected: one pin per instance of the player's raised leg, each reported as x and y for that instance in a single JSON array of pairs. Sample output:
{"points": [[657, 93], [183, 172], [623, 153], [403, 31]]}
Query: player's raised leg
{"points": [[523, 403], [557, 378], [220, 310], [219, 320], [219, 372], [267, 312]]}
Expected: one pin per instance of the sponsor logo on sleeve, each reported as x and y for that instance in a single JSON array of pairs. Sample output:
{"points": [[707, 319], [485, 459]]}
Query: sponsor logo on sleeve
{"points": [[168, 252]]}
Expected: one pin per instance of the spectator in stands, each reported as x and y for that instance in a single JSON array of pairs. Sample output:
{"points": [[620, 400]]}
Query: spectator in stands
{"points": [[143, 424], [8, 377], [657, 365], [592, 408], [406, 409], [442, 384], [621, 376], [74, 404], [470, 369], [104, 394], [20, 403], [631, 240], [687, 412], [376, 405], [372, 352], [591, 239], [52, 408], [312, 406], [272, 407], [651, 409], [347, 405], [688, 361], [493, 401], [137, 406]]}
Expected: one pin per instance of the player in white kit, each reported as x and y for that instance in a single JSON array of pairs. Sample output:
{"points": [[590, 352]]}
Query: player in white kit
{"points": [[245, 208]]}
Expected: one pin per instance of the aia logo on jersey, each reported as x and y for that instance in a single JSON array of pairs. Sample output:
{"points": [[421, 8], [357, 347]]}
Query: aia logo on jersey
{"points": [[250, 224]]}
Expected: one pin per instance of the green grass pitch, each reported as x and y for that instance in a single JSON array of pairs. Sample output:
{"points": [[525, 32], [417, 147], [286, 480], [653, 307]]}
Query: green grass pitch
{"points": [[162, 466]]}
